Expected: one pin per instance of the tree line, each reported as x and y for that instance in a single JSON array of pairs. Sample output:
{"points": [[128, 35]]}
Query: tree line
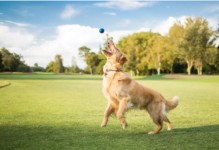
{"points": [[187, 48], [12, 62]]}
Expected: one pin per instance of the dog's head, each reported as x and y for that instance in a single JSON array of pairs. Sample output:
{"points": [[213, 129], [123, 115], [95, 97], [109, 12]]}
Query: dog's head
{"points": [[114, 55]]}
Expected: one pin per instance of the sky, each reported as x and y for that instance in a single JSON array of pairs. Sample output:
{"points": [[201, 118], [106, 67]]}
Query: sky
{"points": [[40, 30]]}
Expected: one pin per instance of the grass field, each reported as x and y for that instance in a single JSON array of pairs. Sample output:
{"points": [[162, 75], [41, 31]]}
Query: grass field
{"points": [[65, 112]]}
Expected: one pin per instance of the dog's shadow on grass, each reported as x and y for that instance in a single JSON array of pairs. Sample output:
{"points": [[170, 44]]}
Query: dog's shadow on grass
{"points": [[84, 136], [202, 137], [189, 130]]}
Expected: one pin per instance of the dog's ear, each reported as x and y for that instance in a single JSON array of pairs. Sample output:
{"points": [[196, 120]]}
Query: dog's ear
{"points": [[106, 53], [122, 60]]}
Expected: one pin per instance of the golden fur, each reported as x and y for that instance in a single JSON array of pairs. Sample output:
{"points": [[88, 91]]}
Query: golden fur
{"points": [[124, 93]]}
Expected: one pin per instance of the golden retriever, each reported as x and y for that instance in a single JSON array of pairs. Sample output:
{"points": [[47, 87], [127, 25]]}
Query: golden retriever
{"points": [[124, 93]]}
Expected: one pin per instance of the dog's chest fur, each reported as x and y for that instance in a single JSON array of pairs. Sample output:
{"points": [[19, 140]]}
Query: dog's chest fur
{"points": [[105, 87], [117, 92]]}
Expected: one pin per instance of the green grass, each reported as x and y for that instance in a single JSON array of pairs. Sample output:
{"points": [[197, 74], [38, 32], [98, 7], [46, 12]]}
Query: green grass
{"points": [[65, 112], [4, 83]]}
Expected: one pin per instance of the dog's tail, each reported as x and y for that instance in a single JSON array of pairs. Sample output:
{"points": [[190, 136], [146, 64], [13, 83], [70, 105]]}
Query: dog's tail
{"points": [[172, 104]]}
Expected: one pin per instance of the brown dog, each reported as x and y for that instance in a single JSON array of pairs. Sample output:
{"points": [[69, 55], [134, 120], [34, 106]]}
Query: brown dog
{"points": [[124, 93]]}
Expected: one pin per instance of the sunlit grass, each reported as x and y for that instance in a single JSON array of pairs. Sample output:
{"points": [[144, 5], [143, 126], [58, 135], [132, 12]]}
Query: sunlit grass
{"points": [[65, 112], [4, 83]]}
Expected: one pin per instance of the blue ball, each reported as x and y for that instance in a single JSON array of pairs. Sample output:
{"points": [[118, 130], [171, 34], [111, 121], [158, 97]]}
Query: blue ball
{"points": [[101, 30]]}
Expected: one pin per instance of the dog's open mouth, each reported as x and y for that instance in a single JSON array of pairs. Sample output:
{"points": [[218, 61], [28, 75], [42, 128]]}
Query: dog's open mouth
{"points": [[110, 50]]}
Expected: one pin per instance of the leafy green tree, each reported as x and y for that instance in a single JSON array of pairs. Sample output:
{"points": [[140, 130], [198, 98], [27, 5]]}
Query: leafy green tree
{"points": [[92, 59], [157, 52], [12, 61], [195, 43], [136, 47], [50, 67], [83, 51], [1, 65], [23, 68], [7, 59], [58, 64], [175, 37], [217, 60], [37, 68], [74, 68]]}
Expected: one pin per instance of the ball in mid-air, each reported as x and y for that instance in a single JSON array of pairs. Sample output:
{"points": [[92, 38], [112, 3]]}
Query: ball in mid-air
{"points": [[101, 30]]}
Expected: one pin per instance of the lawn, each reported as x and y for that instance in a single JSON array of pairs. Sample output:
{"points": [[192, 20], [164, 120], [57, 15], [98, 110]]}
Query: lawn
{"points": [[65, 111]]}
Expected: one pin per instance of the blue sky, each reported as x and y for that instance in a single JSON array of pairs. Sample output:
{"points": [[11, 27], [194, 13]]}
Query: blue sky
{"points": [[40, 30]]}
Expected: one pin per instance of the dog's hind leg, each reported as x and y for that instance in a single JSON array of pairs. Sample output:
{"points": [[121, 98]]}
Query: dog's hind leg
{"points": [[169, 126], [159, 123], [121, 111], [109, 110], [164, 117], [156, 115]]}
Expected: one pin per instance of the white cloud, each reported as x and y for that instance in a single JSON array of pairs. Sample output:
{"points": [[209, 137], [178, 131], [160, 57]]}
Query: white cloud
{"points": [[213, 23], [110, 13], [17, 23], [66, 41], [68, 12], [15, 37], [163, 27], [125, 5]]}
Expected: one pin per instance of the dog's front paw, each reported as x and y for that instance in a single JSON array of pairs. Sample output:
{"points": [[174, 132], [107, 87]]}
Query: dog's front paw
{"points": [[124, 126], [151, 133], [102, 125]]}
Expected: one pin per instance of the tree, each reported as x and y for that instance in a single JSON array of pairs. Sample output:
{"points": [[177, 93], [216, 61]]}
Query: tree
{"points": [[12, 61], [217, 54], [83, 51], [1, 65], [92, 60], [58, 65], [37, 68], [74, 68], [23, 68], [7, 59], [50, 67], [175, 37], [136, 47], [195, 43], [157, 52], [217, 59]]}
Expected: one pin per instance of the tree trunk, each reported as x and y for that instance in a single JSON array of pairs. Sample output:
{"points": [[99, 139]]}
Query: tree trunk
{"points": [[189, 66], [189, 70], [158, 71], [137, 72], [199, 68], [91, 72], [158, 66], [132, 73]]}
